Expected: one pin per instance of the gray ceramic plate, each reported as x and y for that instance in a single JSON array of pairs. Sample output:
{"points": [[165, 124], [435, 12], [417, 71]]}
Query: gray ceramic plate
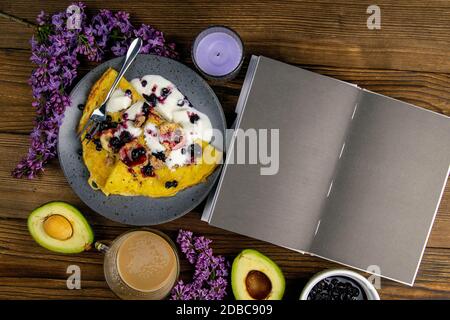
{"points": [[137, 210]]}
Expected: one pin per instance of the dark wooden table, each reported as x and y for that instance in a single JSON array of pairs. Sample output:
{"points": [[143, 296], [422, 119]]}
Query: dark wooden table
{"points": [[407, 59]]}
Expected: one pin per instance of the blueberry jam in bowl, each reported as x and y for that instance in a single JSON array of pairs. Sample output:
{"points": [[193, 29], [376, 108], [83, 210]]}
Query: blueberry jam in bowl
{"points": [[339, 285]]}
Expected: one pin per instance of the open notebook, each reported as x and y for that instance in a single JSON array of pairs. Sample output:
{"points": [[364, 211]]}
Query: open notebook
{"points": [[360, 175]]}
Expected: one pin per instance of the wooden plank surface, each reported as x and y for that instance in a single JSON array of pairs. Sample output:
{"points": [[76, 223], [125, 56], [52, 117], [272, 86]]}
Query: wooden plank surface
{"points": [[407, 59]]}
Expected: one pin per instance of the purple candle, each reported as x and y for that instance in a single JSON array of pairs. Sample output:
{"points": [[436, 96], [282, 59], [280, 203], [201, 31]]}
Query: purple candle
{"points": [[218, 53]]}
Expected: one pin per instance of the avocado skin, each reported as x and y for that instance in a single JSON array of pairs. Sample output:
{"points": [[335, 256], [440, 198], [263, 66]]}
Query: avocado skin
{"points": [[69, 212], [276, 277]]}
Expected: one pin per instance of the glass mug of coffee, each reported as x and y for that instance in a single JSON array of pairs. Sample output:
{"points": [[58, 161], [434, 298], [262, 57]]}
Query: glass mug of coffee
{"points": [[141, 265]]}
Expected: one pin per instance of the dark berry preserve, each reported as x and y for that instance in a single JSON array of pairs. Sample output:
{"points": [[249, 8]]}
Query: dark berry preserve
{"points": [[115, 143], [337, 288], [147, 171], [193, 117], [146, 109], [135, 157], [160, 155], [125, 137], [165, 92], [137, 153], [171, 184], [152, 99]]}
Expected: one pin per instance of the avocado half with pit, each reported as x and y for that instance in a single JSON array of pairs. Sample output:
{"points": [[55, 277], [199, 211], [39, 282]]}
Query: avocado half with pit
{"points": [[60, 227], [255, 277]]}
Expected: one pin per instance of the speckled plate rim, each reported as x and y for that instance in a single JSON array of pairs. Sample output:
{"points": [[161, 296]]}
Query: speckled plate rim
{"points": [[158, 210]]}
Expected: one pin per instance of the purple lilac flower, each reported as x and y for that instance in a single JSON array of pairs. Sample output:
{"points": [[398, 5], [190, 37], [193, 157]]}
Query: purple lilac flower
{"points": [[184, 239], [56, 51], [209, 280]]}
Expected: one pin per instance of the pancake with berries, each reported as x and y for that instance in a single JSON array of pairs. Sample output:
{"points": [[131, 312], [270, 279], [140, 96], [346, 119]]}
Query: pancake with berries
{"points": [[153, 143]]}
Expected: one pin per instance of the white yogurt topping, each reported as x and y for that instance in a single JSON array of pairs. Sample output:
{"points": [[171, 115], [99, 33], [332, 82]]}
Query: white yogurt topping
{"points": [[176, 157], [172, 106], [151, 83], [134, 131], [200, 129], [134, 110], [151, 135], [118, 101], [154, 84], [169, 105]]}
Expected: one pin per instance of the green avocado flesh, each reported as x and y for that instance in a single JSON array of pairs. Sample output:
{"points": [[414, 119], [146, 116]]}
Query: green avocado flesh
{"points": [[255, 277], [60, 227]]}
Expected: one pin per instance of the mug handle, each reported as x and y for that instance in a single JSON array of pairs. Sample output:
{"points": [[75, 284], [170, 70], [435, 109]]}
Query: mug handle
{"points": [[101, 247]]}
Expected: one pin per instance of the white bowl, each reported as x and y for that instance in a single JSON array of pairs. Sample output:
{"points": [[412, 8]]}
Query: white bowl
{"points": [[369, 289]]}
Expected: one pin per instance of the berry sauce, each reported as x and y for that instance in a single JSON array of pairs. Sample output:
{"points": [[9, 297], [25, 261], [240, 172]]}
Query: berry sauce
{"points": [[133, 157], [116, 143]]}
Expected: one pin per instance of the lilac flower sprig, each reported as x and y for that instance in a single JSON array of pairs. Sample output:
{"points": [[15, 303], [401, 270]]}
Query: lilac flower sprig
{"points": [[210, 276], [57, 49]]}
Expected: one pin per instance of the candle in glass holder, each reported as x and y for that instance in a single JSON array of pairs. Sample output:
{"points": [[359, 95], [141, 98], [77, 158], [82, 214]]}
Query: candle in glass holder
{"points": [[218, 53]]}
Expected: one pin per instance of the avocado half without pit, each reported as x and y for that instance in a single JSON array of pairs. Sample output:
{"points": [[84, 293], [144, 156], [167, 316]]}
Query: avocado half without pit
{"points": [[255, 277], [60, 227]]}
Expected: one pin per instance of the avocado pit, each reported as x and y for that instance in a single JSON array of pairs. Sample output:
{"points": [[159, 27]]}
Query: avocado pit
{"points": [[258, 285], [58, 227]]}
